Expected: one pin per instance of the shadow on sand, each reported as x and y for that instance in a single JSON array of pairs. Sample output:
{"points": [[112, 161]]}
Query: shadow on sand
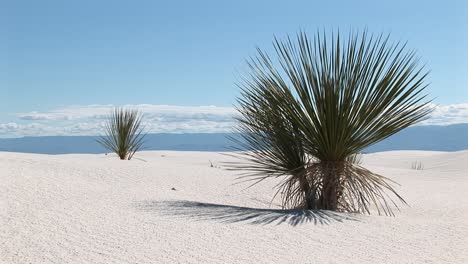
{"points": [[234, 214]]}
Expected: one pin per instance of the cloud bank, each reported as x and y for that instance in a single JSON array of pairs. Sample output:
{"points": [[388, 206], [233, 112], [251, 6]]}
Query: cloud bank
{"points": [[90, 120], [448, 115]]}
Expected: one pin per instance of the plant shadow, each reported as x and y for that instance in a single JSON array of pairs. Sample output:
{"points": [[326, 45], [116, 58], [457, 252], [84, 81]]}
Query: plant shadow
{"points": [[235, 214]]}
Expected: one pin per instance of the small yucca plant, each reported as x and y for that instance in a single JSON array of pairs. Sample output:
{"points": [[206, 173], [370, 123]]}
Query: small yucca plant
{"points": [[305, 116], [123, 133]]}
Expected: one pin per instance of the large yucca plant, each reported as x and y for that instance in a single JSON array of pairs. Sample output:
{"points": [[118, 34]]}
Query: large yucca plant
{"points": [[305, 116], [123, 133]]}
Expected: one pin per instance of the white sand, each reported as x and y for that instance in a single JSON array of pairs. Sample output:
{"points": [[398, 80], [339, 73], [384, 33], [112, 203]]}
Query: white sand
{"points": [[97, 209]]}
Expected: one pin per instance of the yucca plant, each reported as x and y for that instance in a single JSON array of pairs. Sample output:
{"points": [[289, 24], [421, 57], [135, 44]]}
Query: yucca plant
{"points": [[306, 115], [123, 133]]}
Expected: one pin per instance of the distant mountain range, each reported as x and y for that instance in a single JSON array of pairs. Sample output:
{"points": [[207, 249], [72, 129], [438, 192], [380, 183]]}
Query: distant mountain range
{"points": [[437, 138]]}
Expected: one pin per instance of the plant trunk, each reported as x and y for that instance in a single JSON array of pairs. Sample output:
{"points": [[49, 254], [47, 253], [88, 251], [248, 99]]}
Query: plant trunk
{"points": [[309, 197], [331, 189]]}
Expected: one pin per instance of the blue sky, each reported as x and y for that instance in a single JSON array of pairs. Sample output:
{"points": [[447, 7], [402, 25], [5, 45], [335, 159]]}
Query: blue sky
{"points": [[62, 59]]}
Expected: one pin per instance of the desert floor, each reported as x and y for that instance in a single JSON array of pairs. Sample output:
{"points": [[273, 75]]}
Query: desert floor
{"points": [[173, 207]]}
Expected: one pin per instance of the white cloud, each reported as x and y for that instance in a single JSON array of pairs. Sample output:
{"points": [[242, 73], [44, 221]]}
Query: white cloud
{"points": [[448, 114], [8, 126], [90, 120], [30, 129], [102, 111]]}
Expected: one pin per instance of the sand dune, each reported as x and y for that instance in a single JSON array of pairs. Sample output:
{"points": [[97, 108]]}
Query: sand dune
{"points": [[97, 209]]}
